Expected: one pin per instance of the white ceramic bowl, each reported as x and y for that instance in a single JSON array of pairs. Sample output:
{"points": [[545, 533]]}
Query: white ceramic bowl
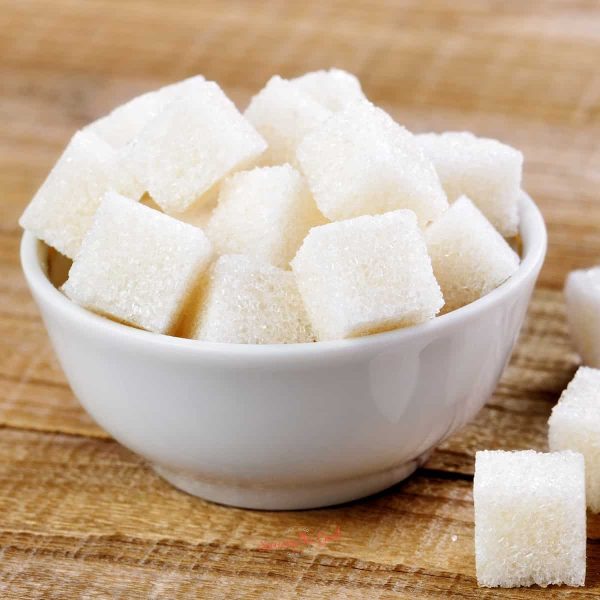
{"points": [[296, 426]]}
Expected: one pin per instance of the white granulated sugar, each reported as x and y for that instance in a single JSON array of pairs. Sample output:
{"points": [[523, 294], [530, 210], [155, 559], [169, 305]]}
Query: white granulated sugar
{"points": [[190, 146], [248, 301], [582, 295], [283, 114], [469, 257], [334, 89], [366, 275], [484, 169], [575, 425], [360, 161], [530, 521], [265, 213], [61, 211], [199, 216], [127, 120], [137, 265]]}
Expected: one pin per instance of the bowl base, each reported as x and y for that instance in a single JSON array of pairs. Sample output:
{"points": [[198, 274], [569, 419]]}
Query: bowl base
{"points": [[291, 497]]}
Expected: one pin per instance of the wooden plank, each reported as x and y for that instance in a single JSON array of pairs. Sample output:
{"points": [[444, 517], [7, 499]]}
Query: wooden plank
{"points": [[414, 539], [82, 516]]}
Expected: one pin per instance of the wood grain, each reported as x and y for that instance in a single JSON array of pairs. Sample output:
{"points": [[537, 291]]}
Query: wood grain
{"points": [[84, 518]]}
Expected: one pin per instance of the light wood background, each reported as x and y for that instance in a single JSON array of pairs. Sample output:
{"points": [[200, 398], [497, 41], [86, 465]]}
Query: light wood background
{"points": [[80, 516]]}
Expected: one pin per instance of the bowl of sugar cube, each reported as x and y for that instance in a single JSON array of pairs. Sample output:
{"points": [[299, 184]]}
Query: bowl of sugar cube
{"points": [[286, 307]]}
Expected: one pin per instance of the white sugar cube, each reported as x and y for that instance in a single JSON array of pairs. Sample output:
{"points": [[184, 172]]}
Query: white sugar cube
{"points": [[360, 161], [137, 265], [582, 294], [265, 213], [283, 114], [366, 275], [199, 216], [248, 301], [190, 146], [126, 121], [575, 425], [530, 523], [483, 169], [334, 89], [61, 212], [469, 257]]}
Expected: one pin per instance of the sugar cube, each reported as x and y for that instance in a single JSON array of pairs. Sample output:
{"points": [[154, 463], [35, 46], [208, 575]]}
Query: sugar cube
{"points": [[126, 121], [530, 523], [199, 216], [137, 265], [582, 294], [469, 257], [575, 425], [61, 211], [248, 301], [190, 146], [265, 213], [334, 89], [483, 169], [283, 114], [365, 275], [360, 161]]}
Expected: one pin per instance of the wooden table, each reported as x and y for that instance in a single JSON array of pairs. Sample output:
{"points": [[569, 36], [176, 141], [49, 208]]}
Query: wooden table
{"points": [[80, 516]]}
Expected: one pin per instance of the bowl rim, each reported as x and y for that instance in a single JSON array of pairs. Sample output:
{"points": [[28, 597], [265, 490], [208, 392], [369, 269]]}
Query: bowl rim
{"points": [[533, 234]]}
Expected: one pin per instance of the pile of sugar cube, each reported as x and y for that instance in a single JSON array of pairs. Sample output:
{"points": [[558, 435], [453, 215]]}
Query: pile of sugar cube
{"points": [[315, 216], [530, 507], [310, 216]]}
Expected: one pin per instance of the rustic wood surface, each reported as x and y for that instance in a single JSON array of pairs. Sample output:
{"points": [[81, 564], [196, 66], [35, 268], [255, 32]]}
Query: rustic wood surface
{"points": [[80, 516]]}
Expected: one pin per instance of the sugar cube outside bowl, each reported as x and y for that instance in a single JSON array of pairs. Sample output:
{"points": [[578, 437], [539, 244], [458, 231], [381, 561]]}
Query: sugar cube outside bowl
{"points": [[289, 426]]}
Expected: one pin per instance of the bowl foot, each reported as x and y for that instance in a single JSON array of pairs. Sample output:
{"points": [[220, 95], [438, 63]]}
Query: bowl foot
{"points": [[290, 497]]}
